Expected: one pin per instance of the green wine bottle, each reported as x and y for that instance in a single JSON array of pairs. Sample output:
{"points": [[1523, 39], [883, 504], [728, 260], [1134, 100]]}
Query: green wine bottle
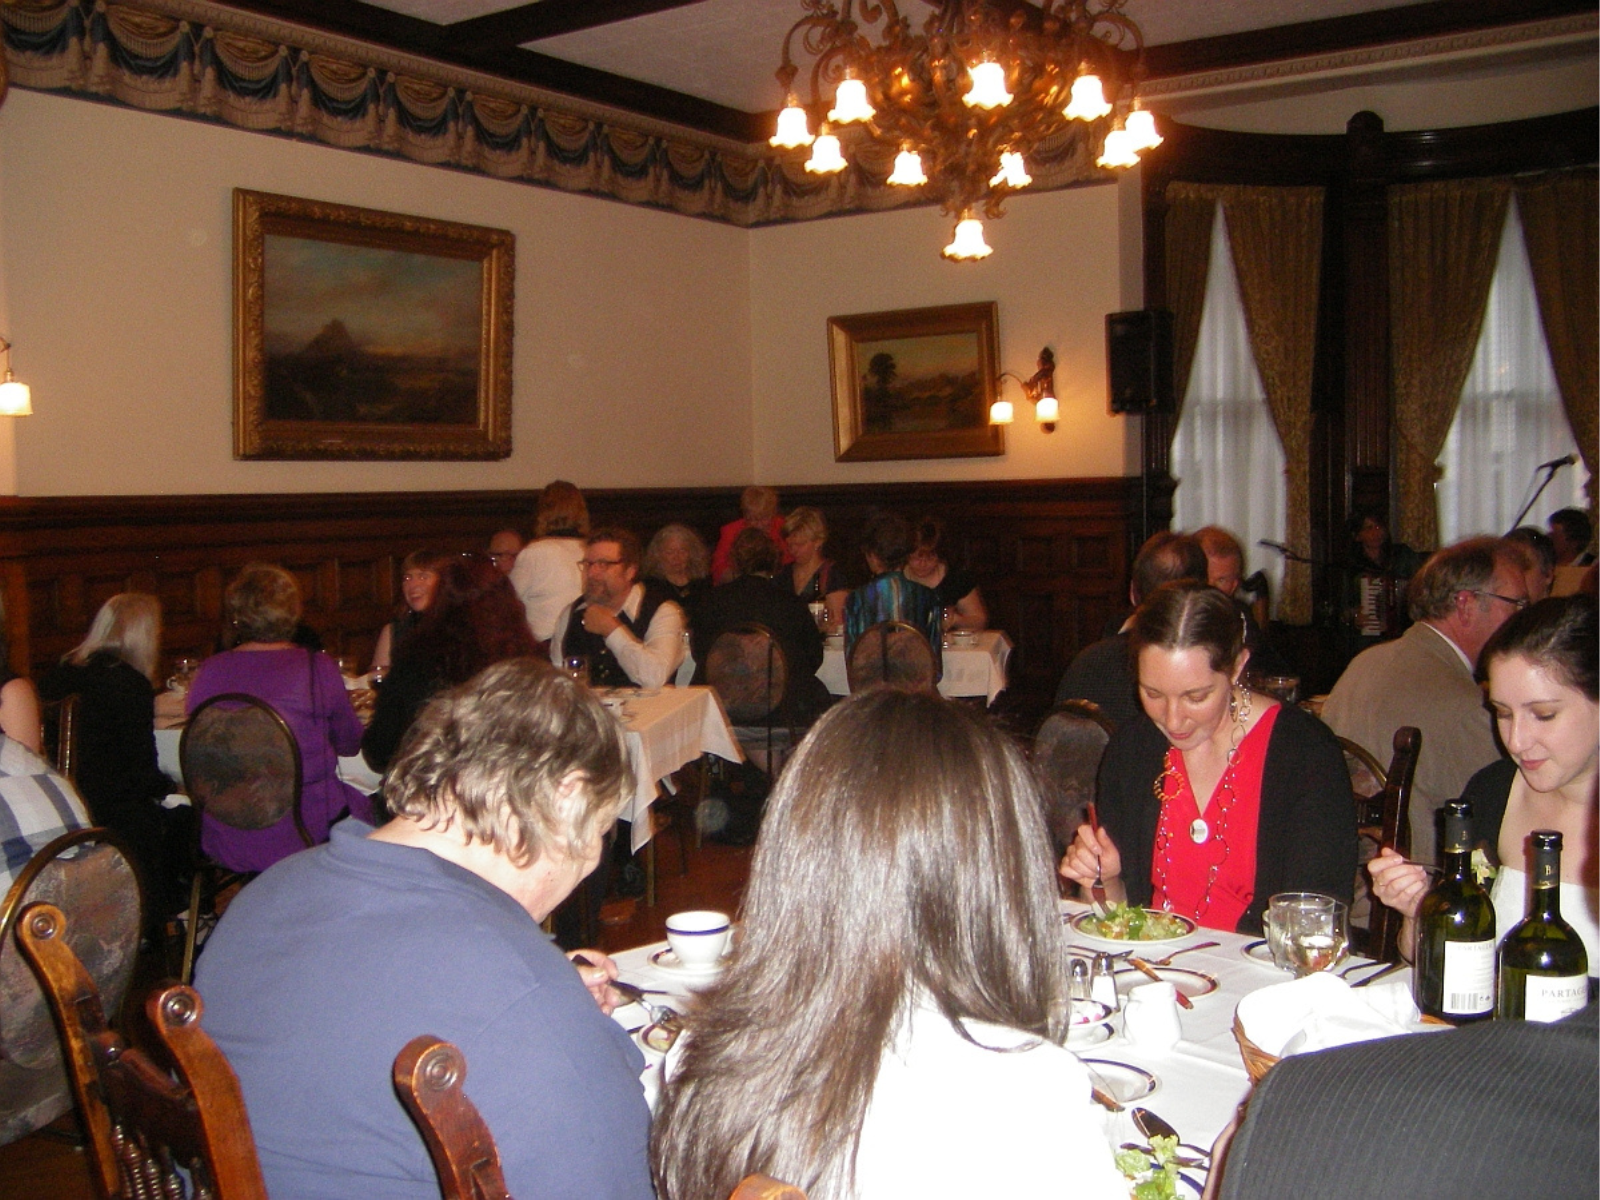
{"points": [[1454, 976], [1544, 969]]}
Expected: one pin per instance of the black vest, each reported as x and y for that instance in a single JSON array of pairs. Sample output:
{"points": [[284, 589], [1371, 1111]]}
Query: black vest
{"points": [[604, 669]]}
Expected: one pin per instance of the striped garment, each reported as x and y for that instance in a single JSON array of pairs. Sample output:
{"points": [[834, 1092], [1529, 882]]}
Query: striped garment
{"points": [[36, 807]]}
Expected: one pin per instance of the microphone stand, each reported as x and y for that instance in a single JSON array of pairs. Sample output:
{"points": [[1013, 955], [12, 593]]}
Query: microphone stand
{"points": [[1549, 470]]}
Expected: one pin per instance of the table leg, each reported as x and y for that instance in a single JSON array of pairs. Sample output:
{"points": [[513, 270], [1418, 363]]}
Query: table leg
{"points": [[650, 873]]}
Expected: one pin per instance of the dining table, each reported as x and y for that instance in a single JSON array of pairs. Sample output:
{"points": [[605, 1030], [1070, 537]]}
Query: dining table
{"points": [[1196, 1085], [974, 665]]}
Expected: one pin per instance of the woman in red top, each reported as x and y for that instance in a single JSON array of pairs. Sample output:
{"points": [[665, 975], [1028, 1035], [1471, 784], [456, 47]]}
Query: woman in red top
{"points": [[1218, 797]]}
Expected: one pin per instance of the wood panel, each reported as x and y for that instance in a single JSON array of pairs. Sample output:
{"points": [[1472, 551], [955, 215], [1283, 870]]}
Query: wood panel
{"points": [[1051, 556]]}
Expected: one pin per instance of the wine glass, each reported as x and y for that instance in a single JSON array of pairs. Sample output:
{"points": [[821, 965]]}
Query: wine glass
{"points": [[576, 666], [1317, 937], [182, 676]]}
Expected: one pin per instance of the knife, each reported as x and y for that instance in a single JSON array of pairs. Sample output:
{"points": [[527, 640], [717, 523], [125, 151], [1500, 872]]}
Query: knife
{"points": [[1140, 963]]}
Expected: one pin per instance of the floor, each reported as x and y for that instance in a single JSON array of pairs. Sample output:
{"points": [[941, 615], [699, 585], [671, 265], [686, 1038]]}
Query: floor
{"points": [[50, 1166]]}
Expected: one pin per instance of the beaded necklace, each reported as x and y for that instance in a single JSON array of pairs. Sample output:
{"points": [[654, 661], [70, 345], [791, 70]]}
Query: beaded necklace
{"points": [[1167, 790]]}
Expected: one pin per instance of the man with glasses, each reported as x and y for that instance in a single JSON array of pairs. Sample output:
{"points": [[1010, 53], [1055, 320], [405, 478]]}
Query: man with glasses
{"points": [[1425, 677], [630, 632], [503, 550]]}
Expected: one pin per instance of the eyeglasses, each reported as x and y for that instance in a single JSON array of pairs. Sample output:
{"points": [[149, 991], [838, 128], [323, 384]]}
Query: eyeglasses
{"points": [[589, 564], [1515, 602]]}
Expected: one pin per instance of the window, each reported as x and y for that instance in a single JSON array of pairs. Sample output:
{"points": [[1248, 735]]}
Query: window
{"points": [[1510, 418], [1226, 455]]}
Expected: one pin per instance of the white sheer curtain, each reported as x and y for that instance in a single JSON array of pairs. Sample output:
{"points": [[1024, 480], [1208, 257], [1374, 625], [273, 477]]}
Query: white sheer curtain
{"points": [[1226, 455], [1510, 419]]}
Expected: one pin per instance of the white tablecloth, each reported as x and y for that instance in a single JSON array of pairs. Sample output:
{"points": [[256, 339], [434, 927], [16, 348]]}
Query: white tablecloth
{"points": [[352, 770], [1201, 1079], [978, 670], [666, 730]]}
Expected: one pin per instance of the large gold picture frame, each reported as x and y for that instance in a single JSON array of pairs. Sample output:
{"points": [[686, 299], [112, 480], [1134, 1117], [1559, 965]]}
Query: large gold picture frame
{"points": [[916, 383], [361, 334]]}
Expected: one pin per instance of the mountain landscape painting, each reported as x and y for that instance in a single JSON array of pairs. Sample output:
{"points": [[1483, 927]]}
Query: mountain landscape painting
{"points": [[367, 335], [921, 384]]}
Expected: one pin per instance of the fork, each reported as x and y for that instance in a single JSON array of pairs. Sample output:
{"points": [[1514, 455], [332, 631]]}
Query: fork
{"points": [[1097, 889]]}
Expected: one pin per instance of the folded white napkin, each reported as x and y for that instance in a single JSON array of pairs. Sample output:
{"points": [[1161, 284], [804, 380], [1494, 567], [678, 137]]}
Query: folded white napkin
{"points": [[1322, 1010]]}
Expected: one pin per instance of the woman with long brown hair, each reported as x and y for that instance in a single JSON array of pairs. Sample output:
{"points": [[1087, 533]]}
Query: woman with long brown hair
{"points": [[892, 1021]]}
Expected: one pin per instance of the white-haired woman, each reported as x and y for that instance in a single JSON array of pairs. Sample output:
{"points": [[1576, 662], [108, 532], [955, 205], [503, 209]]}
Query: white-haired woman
{"points": [[678, 559], [112, 671]]}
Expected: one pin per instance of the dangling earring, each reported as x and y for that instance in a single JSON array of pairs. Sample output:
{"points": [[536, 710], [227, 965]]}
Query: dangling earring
{"points": [[1239, 703]]}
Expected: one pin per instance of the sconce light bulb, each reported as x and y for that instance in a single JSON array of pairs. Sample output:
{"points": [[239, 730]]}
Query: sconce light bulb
{"points": [[1000, 413]]}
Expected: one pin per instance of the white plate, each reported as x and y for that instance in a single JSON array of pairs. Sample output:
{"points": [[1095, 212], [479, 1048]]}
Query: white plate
{"points": [[1192, 984], [1076, 924], [1259, 952], [1127, 1083], [667, 960]]}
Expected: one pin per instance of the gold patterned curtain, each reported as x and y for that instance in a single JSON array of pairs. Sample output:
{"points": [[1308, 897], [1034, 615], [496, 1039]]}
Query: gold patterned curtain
{"points": [[1191, 209], [1443, 241], [1275, 234], [1561, 226]]}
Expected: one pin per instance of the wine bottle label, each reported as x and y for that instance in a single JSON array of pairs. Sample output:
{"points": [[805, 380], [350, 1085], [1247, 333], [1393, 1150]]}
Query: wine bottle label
{"points": [[1468, 978], [1549, 998]]}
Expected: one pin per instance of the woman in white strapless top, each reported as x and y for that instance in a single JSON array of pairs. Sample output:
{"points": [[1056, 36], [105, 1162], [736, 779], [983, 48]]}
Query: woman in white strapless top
{"points": [[1542, 690]]}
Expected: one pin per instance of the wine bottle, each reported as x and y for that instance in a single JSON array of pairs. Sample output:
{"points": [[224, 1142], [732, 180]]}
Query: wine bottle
{"points": [[1454, 976], [1544, 968]]}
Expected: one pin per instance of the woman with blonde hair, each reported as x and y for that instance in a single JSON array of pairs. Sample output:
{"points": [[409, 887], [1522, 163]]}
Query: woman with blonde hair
{"points": [[811, 576], [893, 1018], [304, 686], [546, 575], [113, 672]]}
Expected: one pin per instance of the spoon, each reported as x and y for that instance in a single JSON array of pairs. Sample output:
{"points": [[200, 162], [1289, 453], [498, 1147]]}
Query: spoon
{"points": [[1153, 1126]]}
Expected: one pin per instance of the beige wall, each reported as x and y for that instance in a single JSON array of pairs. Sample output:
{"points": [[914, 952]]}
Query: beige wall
{"points": [[1054, 273], [632, 331]]}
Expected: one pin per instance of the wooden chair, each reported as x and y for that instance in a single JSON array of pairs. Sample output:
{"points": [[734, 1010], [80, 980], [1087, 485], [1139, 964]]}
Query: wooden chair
{"points": [[241, 766], [166, 1123], [428, 1074], [60, 721], [1394, 830], [749, 671], [1067, 749], [87, 872], [893, 653], [764, 1187]]}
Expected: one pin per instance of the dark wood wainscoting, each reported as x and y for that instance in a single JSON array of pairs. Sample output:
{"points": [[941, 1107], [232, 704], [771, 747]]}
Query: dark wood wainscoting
{"points": [[1050, 555]]}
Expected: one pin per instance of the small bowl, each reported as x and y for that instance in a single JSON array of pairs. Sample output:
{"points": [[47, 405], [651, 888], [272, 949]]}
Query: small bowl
{"points": [[699, 938]]}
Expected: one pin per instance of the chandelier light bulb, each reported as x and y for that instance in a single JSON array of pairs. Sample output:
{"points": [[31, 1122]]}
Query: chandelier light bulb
{"points": [[968, 245], [988, 86], [825, 156], [1119, 150], [1000, 413], [1013, 171], [850, 102], [1088, 100], [908, 170], [793, 129], [1141, 127], [1047, 410]]}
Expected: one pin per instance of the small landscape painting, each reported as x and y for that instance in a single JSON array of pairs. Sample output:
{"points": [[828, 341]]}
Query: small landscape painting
{"points": [[915, 383], [363, 334]]}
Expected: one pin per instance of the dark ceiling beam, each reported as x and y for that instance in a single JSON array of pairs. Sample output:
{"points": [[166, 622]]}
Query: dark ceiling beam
{"points": [[551, 18], [1438, 18]]}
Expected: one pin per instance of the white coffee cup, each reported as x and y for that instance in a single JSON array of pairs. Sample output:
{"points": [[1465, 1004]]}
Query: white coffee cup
{"points": [[1150, 1018], [699, 938]]}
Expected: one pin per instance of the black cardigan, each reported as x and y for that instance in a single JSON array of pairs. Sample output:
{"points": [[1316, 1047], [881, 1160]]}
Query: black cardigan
{"points": [[1306, 837]]}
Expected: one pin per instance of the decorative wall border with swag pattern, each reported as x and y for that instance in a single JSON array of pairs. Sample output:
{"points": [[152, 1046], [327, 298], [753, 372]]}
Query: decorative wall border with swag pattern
{"points": [[197, 59]]}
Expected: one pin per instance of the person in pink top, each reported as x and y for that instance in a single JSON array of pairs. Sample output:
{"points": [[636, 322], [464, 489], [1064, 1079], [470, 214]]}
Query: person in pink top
{"points": [[306, 689], [759, 506]]}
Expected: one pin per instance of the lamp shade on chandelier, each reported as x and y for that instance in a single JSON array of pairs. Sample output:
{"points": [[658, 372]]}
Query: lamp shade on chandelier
{"points": [[966, 97]]}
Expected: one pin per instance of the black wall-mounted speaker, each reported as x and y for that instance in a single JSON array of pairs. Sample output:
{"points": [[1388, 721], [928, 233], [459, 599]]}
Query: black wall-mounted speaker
{"points": [[1139, 361]]}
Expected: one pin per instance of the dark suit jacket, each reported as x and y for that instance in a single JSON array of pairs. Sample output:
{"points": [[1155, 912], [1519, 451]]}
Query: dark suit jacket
{"points": [[757, 599], [1101, 673], [1486, 1112]]}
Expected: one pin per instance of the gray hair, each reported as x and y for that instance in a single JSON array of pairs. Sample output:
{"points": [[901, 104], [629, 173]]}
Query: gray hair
{"points": [[263, 604], [490, 756]]}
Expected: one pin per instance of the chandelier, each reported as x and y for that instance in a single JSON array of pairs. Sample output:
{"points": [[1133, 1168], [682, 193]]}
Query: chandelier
{"points": [[967, 100]]}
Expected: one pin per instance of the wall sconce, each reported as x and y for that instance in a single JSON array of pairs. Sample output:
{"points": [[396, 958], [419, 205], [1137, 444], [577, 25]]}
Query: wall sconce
{"points": [[1039, 388], [15, 399]]}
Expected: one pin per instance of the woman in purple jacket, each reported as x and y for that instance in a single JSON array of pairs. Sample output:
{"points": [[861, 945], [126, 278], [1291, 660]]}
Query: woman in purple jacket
{"points": [[305, 687]]}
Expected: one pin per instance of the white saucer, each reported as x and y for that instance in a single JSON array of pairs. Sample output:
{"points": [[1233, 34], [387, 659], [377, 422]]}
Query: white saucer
{"points": [[1089, 1035], [667, 960]]}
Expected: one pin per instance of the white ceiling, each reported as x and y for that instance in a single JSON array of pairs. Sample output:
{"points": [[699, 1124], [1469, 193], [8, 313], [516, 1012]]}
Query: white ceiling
{"points": [[726, 51]]}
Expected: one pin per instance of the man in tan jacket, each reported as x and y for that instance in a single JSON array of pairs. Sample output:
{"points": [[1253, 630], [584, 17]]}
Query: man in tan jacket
{"points": [[1425, 678]]}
